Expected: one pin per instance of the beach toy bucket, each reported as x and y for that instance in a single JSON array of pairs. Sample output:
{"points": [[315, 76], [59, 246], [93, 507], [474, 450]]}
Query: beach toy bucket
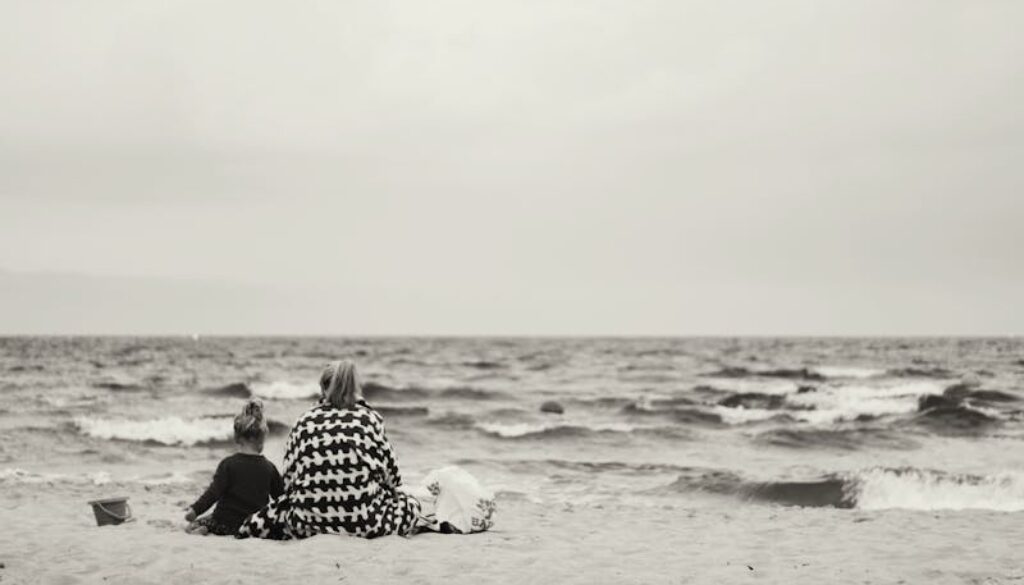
{"points": [[111, 511]]}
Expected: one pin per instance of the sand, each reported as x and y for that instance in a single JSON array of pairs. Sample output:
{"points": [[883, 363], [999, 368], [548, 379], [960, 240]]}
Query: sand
{"points": [[50, 536]]}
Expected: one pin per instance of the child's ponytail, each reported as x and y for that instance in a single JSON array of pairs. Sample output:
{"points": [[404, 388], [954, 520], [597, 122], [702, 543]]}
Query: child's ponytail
{"points": [[251, 425]]}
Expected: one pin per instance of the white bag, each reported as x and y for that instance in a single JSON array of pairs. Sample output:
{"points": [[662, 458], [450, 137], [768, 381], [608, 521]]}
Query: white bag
{"points": [[453, 501]]}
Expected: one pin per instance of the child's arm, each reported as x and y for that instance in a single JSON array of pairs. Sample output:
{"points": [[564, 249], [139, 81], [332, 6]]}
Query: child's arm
{"points": [[276, 484], [217, 488]]}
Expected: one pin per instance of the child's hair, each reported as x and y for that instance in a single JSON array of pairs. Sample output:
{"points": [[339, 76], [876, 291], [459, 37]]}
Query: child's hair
{"points": [[251, 426]]}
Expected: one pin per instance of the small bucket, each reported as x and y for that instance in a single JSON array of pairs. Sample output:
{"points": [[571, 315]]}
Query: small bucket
{"points": [[111, 511]]}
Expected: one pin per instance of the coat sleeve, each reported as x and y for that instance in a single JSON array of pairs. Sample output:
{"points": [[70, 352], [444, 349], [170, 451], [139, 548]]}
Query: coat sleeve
{"points": [[218, 487], [391, 474], [290, 460]]}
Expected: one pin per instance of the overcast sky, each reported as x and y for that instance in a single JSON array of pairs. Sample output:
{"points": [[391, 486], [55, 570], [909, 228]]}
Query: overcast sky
{"points": [[520, 167]]}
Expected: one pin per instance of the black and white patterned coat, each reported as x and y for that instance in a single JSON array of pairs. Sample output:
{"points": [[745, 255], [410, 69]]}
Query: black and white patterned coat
{"points": [[340, 477]]}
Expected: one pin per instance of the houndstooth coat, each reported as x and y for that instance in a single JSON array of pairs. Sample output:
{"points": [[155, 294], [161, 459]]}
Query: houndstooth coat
{"points": [[340, 477]]}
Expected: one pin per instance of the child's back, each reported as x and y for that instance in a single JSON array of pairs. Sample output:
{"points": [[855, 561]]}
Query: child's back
{"points": [[243, 483]]}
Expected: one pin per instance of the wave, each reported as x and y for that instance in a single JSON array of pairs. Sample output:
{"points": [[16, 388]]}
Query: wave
{"points": [[743, 416], [785, 373], [846, 439], [957, 418], [965, 391], [119, 386], [754, 400], [549, 430], [915, 372], [749, 385], [961, 408], [542, 466], [469, 393], [276, 428], [821, 406], [453, 420], [691, 415], [26, 368], [171, 430], [917, 489], [374, 391], [611, 402], [281, 390], [992, 396], [872, 489], [394, 410], [822, 493], [861, 373], [377, 391], [483, 365], [835, 404], [235, 390]]}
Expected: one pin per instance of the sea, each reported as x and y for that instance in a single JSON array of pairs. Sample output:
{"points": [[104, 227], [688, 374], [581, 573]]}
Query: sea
{"points": [[851, 423]]}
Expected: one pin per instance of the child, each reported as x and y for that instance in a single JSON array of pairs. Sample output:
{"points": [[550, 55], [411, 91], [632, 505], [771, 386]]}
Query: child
{"points": [[243, 483]]}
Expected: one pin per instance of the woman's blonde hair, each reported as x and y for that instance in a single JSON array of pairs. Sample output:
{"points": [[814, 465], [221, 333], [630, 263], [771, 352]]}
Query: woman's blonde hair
{"points": [[339, 385], [251, 425]]}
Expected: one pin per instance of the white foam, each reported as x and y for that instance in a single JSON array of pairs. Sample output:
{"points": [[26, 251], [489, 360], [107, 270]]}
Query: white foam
{"points": [[740, 415], [168, 430], [879, 489], [281, 390], [848, 372], [849, 402], [833, 404], [511, 430], [21, 476]]}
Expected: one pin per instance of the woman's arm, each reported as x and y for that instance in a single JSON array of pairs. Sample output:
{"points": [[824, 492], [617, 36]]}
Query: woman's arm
{"points": [[392, 477], [289, 457]]}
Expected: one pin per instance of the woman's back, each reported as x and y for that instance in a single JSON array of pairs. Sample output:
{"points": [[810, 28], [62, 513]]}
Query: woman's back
{"points": [[340, 477]]}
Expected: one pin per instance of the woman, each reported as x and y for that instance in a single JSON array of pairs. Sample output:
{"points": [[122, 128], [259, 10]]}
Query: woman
{"points": [[340, 475]]}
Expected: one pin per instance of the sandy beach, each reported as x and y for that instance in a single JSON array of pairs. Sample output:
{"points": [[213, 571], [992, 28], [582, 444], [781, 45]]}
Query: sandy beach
{"points": [[51, 538]]}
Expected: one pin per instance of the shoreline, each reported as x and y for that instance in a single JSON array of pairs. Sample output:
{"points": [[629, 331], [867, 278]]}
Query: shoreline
{"points": [[52, 538]]}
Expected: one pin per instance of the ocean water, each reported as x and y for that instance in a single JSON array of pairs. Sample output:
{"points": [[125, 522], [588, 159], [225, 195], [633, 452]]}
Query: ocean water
{"points": [[849, 423]]}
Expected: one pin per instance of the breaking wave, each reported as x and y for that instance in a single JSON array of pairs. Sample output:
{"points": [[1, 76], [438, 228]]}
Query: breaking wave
{"points": [[375, 391], [809, 374], [915, 372], [826, 404], [916, 489], [847, 439], [872, 489], [549, 430], [281, 390], [171, 430]]}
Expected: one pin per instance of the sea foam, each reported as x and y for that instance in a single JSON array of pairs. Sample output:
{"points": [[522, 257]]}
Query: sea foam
{"points": [[281, 390], [832, 404], [169, 430], [523, 429], [848, 372], [916, 489]]}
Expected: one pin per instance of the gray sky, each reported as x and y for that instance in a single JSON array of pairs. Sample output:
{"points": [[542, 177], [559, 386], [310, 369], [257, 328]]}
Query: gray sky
{"points": [[584, 167]]}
